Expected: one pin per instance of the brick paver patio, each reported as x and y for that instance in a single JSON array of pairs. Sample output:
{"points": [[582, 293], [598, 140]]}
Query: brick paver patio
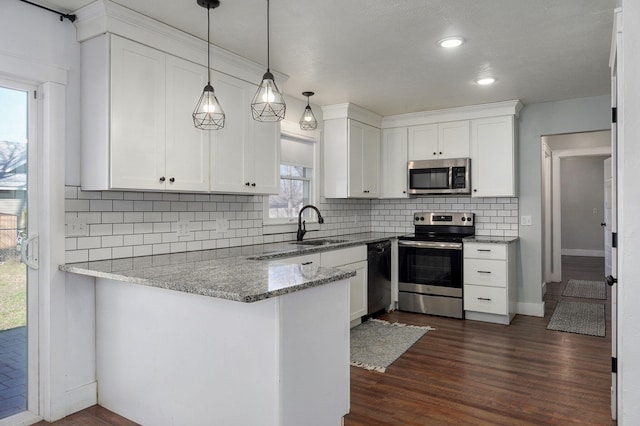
{"points": [[13, 371]]}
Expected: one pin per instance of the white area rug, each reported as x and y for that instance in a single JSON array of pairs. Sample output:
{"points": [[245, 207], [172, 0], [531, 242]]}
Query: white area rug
{"points": [[586, 289], [376, 344]]}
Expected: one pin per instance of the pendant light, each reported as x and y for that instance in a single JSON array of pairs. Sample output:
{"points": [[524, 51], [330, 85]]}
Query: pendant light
{"points": [[308, 120], [268, 103], [208, 114]]}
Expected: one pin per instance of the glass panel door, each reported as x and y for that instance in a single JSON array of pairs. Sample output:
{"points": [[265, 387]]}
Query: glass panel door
{"points": [[16, 104]]}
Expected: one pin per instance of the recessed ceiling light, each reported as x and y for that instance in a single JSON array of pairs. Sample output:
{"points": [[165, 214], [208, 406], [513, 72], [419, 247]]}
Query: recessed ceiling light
{"points": [[485, 81], [451, 42]]}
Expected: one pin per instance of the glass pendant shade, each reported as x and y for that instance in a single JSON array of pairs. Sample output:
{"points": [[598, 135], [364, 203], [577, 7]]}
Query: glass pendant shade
{"points": [[308, 120], [208, 114], [268, 103]]}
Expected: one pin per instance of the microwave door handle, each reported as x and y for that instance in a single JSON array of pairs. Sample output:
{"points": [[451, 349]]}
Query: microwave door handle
{"points": [[450, 178]]}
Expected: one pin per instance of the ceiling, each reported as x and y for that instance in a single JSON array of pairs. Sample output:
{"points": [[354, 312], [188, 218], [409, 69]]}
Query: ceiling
{"points": [[383, 55]]}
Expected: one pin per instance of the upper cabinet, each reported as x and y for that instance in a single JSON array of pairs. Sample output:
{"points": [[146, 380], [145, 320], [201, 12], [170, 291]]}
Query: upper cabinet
{"points": [[132, 135], [245, 154], [351, 166], [138, 133], [439, 140], [394, 163], [493, 157]]}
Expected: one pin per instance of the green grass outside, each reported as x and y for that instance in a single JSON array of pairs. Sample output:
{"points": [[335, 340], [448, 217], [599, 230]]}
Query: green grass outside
{"points": [[13, 294]]}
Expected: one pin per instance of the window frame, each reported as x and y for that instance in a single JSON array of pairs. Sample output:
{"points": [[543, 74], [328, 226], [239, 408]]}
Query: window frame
{"points": [[279, 225]]}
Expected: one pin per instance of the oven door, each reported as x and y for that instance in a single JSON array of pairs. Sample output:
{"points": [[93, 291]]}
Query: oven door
{"points": [[430, 263]]}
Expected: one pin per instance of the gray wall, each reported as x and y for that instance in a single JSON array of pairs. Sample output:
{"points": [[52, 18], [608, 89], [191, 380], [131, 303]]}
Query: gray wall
{"points": [[582, 189], [537, 120]]}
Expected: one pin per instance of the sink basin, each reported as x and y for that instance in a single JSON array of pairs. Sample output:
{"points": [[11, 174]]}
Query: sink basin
{"points": [[320, 242]]}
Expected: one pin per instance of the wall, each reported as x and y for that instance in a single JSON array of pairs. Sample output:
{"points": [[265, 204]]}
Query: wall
{"points": [[582, 189], [494, 216], [537, 120]]}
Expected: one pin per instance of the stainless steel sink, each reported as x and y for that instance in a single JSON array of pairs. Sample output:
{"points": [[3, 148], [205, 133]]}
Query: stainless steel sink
{"points": [[319, 242]]}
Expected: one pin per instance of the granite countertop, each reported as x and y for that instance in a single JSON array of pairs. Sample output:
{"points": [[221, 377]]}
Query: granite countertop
{"points": [[489, 239], [242, 274]]}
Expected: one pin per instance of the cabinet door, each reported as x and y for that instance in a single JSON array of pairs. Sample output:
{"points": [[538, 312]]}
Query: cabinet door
{"points": [[358, 290], [423, 142], [137, 116], [394, 163], [228, 149], [264, 147], [364, 160], [453, 139], [493, 157], [187, 161]]}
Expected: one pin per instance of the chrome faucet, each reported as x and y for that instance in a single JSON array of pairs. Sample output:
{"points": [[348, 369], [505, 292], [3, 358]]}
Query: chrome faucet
{"points": [[302, 229]]}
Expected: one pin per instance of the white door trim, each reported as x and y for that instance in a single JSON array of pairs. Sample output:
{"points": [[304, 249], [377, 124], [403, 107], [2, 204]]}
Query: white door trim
{"points": [[557, 156]]}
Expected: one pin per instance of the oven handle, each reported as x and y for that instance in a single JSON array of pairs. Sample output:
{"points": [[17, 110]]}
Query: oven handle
{"points": [[431, 244]]}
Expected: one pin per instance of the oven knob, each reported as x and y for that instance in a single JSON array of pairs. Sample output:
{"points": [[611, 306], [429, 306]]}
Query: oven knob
{"points": [[422, 218]]}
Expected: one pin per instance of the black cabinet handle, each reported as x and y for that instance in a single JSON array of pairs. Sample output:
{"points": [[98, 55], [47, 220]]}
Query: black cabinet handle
{"points": [[610, 280], [484, 250], [253, 184], [306, 263], [484, 272], [486, 299], [247, 183], [172, 180], [162, 179], [366, 191]]}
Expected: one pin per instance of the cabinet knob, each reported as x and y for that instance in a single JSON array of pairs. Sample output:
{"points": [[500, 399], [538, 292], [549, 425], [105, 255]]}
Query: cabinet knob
{"points": [[247, 183], [172, 180], [434, 153], [253, 184], [365, 191], [440, 153], [404, 192], [162, 179], [475, 190]]}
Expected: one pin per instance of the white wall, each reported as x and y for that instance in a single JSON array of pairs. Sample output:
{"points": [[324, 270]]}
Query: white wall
{"points": [[537, 120], [582, 189], [628, 224]]}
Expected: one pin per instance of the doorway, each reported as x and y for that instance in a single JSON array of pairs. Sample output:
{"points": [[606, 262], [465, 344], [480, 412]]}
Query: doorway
{"points": [[18, 250]]}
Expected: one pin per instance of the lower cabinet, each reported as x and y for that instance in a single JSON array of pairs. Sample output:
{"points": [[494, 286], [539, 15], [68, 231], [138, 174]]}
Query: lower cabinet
{"points": [[490, 292], [351, 259]]}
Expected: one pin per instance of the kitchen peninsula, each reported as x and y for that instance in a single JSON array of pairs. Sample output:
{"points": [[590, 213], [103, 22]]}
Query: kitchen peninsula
{"points": [[214, 337]]}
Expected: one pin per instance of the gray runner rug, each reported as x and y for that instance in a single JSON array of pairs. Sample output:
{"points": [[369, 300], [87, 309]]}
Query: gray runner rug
{"points": [[375, 344], [586, 289], [578, 317]]}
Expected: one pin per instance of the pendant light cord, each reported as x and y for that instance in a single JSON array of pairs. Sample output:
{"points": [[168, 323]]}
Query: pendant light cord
{"points": [[208, 46], [268, 40]]}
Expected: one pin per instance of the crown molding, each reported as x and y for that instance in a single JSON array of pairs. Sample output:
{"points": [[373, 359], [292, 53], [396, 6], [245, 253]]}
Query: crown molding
{"points": [[105, 16], [470, 112], [353, 111]]}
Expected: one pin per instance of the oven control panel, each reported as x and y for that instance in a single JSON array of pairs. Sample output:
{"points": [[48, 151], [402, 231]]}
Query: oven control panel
{"points": [[431, 218]]}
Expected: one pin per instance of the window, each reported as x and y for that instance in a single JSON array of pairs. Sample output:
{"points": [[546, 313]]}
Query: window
{"points": [[297, 180]]}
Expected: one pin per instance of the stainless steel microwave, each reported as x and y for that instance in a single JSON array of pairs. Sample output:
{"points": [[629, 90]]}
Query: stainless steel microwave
{"points": [[449, 176]]}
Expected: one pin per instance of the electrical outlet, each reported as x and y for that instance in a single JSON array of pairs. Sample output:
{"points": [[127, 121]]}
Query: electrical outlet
{"points": [[77, 227], [183, 228], [525, 220], [222, 225]]}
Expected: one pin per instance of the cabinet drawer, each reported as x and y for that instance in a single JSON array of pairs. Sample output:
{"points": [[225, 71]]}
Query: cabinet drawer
{"points": [[485, 272], [313, 258], [485, 251], [491, 300], [333, 258]]}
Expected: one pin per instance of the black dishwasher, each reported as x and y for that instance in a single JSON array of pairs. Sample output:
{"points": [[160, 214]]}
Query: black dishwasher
{"points": [[378, 277]]}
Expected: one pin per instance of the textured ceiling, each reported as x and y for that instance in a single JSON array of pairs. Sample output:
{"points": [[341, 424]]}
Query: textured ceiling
{"points": [[383, 56]]}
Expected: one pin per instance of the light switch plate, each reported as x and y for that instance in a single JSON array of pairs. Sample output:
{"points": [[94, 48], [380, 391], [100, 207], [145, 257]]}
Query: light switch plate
{"points": [[77, 227], [183, 228], [525, 220], [222, 225]]}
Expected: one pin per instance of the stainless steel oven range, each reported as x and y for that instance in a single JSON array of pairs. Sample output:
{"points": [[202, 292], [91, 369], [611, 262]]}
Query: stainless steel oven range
{"points": [[430, 264]]}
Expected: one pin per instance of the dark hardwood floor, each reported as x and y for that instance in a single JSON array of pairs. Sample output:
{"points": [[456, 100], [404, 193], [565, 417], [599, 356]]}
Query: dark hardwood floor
{"points": [[475, 373]]}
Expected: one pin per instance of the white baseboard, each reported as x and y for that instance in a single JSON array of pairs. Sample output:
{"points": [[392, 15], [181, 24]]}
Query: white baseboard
{"points": [[544, 289], [580, 252], [531, 309], [80, 398]]}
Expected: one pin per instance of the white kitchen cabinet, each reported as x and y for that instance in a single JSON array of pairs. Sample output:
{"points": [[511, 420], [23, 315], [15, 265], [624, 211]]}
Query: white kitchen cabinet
{"points": [[490, 290], [245, 154], [351, 159], [394, 163], [136, 125], [351, 259], [439, 140], [493, 157]]}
